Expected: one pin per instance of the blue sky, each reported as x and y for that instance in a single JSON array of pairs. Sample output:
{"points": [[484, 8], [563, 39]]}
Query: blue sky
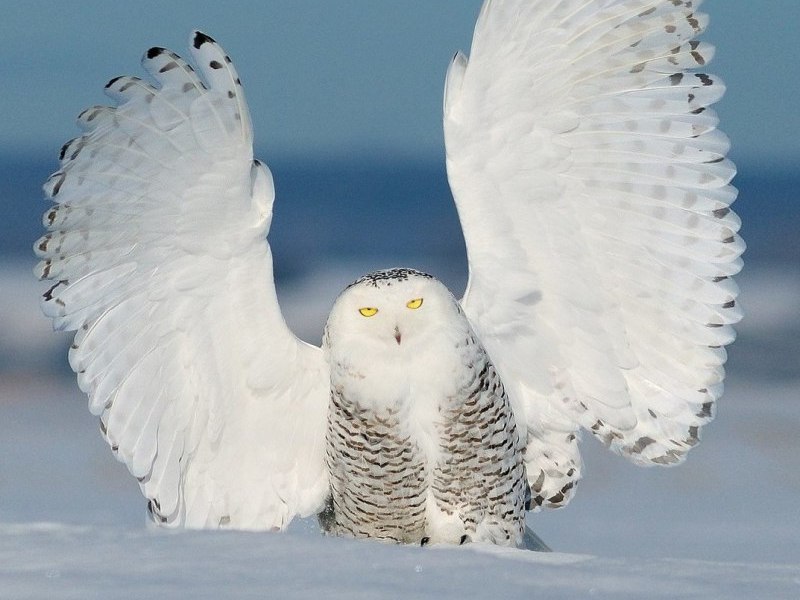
{"points": [[351, 76]]}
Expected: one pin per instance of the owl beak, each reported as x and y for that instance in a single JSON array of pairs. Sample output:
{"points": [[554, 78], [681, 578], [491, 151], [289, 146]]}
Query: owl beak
{"points": [[397, 335]]}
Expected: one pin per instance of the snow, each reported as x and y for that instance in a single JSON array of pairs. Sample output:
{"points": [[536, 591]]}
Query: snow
{"points": [[60, 561], [723, 525]]}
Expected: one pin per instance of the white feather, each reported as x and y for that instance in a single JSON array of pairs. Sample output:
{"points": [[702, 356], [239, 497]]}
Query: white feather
{"points": [[593, 193], [157, 246]]}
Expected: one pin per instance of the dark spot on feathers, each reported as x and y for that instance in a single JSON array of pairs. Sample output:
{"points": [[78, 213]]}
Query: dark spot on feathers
{"points": [[705, 79], [89, 114], [641, 444], [721, 212], [698, 58], [698, 111], [57, 186], [671, 457], [215, 64], [705, 411], [201, 38], [168, 67], [676, 78], [155, 51], [113, 81], [720, 278], [670, 29], [694, 435], [387, 276], [729, 304], [48, 295], [186, 87], [231, 94]]}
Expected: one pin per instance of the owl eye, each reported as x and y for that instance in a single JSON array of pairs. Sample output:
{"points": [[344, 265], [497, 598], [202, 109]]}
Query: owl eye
{"points": [[414, 304], [368, 311]]}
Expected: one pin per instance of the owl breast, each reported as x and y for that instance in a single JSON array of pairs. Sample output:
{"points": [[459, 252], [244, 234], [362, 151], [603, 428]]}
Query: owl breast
{"points": [[424, 448]]}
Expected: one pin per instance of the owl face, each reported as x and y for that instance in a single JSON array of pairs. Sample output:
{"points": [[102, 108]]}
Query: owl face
{"points": [[391, 311]]}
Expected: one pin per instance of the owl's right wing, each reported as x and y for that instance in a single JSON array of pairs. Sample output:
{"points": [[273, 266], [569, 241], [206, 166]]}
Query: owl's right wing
{"points": [[157, 249], [593, 192]]}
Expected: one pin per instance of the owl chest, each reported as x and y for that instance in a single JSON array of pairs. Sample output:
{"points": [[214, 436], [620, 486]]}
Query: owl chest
{"points": [[416, 454], [394, 404], [384, 436]]}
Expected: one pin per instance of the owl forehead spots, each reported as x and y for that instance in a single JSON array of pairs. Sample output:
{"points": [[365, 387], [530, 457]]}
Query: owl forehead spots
{"points": [[388, 277]]}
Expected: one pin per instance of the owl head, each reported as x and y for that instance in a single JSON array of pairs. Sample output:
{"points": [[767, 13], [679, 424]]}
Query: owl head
{"points": [[393, 310]]}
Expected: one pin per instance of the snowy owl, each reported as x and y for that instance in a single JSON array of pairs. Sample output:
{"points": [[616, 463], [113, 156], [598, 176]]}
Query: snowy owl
{"points": [[593, 192]]}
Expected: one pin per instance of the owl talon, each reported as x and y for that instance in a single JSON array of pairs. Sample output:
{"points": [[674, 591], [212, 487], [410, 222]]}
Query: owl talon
{"points": [[464, 540], [424, 541]]}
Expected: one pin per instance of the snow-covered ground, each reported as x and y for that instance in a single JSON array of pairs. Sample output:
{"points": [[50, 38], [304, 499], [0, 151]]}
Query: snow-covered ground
{"points": [[724, 525]]}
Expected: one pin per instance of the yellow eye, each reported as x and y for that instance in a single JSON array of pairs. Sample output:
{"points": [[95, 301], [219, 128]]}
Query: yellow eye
{"points": [[414, 304], [368, 311]]}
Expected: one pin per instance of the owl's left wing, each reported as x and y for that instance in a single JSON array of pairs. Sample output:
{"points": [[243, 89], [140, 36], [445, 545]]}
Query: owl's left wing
{"points": [[593, 192]]}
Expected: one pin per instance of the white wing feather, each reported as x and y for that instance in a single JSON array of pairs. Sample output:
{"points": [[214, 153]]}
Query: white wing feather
{"points": [[592, 189], [157, 246]]}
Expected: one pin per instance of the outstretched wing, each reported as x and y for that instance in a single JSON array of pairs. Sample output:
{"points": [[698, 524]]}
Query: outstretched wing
{"points": [[157, 248], [592, 188]]}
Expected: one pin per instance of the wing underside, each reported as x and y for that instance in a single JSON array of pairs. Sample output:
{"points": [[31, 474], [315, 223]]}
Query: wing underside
{"points": [[593, 191], [156, 247]]}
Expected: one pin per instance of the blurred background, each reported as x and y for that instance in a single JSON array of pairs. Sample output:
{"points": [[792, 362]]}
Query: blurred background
{"points": [[346, 104]]}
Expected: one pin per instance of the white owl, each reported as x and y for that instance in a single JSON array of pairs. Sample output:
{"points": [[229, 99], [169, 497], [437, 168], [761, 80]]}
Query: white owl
{"points": [[593, 192]]}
